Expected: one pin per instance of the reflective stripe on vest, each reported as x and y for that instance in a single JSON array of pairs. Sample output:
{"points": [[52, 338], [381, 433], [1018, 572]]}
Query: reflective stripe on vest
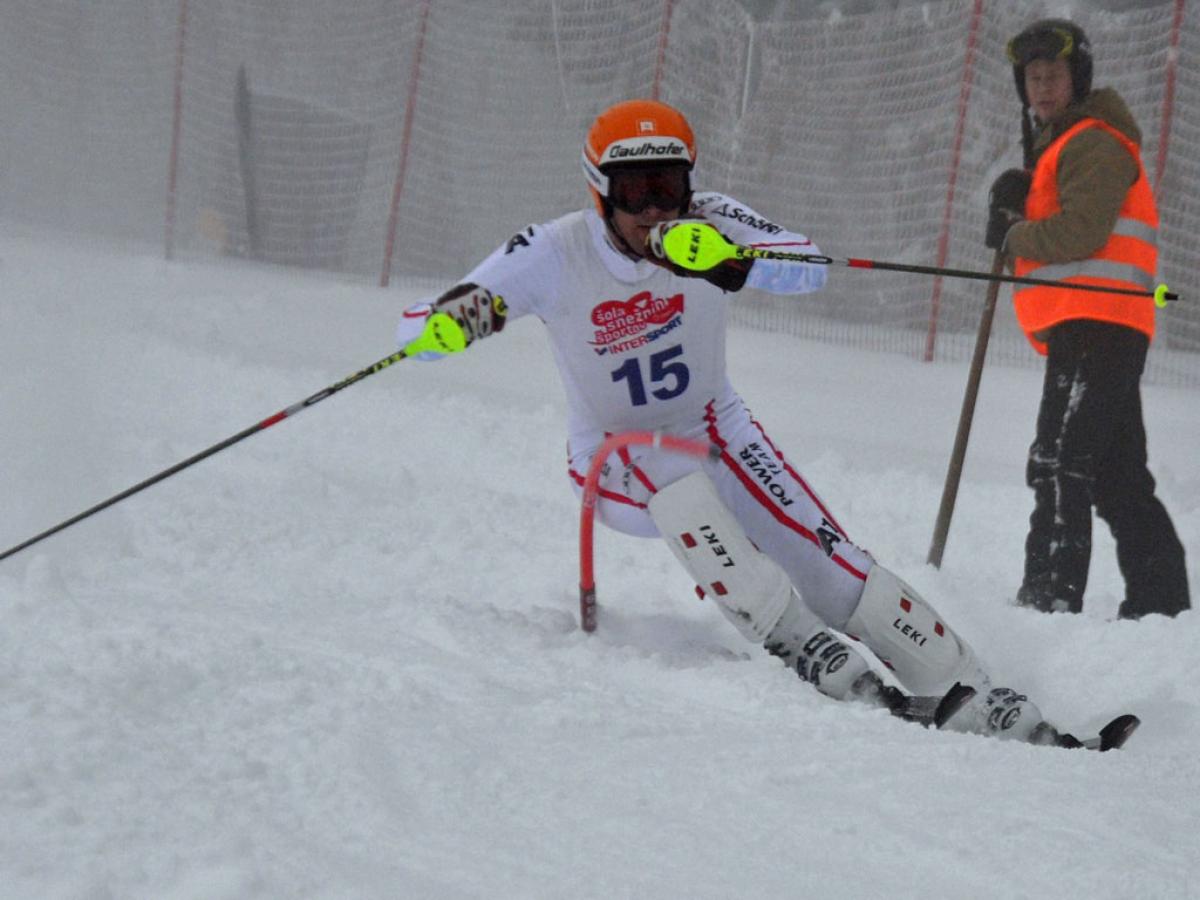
{"points": [[1094, 268], [1128, 260], [1135, 229]]}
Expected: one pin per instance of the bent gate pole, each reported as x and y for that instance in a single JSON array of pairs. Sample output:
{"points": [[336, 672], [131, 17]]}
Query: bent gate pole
{"points": [[591, 494], [954, 473]]}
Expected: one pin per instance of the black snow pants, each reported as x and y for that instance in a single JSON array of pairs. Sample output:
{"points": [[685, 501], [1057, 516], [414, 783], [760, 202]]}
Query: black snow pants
{"points": [[1090, 450]]}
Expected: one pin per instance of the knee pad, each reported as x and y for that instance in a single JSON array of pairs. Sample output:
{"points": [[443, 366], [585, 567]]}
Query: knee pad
{"points": [[909, 636], [749, 588]]}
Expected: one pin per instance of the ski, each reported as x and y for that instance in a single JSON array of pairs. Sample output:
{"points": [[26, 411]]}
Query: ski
{"points": [[1111, 737], [926, 711], [935, 712], [1002, 711]]}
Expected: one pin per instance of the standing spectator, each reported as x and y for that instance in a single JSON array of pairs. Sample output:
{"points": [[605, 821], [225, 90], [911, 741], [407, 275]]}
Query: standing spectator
{"points": [[1082, 211]]}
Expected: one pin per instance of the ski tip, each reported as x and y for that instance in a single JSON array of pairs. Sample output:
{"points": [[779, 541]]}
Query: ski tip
{"points": [[954, 700], [1117, 732]]}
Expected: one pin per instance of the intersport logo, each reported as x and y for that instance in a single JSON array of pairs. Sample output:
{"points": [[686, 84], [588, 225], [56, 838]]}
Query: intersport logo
{"points": [[626, 324]]}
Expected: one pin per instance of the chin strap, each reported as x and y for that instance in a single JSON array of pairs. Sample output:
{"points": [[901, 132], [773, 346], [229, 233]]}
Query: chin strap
{"points": [[1027, 138]]}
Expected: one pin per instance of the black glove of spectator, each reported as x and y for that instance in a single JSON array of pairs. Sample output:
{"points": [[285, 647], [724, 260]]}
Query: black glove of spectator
{"points": [[1006, 205]]}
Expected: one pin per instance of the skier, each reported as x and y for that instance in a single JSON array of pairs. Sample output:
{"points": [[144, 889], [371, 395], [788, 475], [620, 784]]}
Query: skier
{"points": [[640, 344]]}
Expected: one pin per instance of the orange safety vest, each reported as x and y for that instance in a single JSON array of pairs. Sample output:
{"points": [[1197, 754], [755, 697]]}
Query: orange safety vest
{"points": [[1128, 260]]}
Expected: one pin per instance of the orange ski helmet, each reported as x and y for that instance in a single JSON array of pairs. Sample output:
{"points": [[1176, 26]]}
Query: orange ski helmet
{"points": [[635, 134]]}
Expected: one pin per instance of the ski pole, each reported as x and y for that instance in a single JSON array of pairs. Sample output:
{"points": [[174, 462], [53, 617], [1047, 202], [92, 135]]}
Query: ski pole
{"points": [[941, 528], [699, 247], [441, 334]]}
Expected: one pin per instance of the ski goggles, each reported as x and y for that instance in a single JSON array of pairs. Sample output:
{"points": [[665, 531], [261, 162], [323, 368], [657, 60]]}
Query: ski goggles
{"points": [[1047, 43], [635, 190]]}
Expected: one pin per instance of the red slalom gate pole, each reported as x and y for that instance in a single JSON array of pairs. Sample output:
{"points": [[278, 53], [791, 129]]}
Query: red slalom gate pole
{"points": [[591, 491]]}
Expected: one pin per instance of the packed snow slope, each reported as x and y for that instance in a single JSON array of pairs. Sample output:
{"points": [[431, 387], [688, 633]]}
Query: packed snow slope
{"points": [[341, 658]]}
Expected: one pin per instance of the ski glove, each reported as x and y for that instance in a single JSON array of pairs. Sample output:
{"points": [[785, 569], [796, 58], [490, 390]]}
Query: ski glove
{"points": [[729, 275], [478, 312], [1006, 205]]}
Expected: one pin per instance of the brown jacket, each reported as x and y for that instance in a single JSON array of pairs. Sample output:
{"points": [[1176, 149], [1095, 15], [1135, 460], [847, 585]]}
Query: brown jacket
{"points": [[1094, 174]]}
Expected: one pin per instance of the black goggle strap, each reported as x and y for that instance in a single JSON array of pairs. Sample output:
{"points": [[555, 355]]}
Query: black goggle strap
{"points": [[1050, 44]]}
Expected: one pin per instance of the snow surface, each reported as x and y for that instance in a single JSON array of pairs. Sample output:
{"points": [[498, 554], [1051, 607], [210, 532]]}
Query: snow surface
{"points": [[341, 658]]}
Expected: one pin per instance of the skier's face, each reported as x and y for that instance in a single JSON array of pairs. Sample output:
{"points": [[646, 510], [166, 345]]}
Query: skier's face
{"points": [[1048, 87], [643, 196], [633, 228]]}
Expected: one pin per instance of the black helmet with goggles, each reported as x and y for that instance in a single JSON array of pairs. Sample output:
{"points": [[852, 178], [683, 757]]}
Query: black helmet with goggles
{"points": [[1051, 39]]}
